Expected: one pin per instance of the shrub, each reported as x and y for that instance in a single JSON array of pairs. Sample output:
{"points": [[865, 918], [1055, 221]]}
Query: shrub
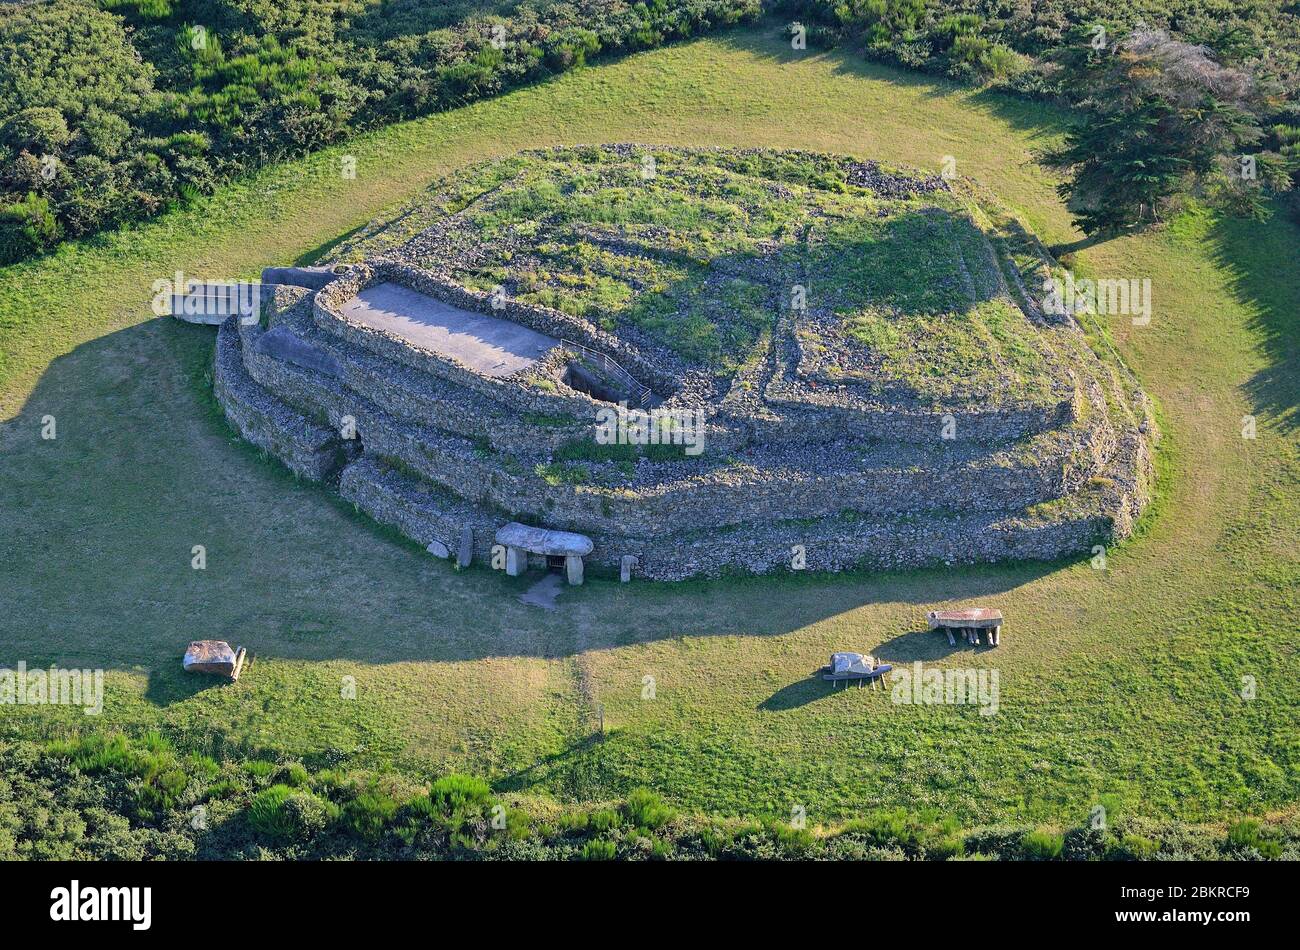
{"points": [[453, 802], [1084, 843], [222, 789], [294, 774], [645, 809], [26, 227], [605, 819], [791, 841], [1246, 835], [283, 814], [460, 794], [957, 24], [39, 130], [1132, 847], [370, 813], [260, 768], [202, 766], [261, 87], [161, 789], [96, 753], [1042, 845], [598, 850], [944, 848], [915, 835], [267, 814], [573, 821]]}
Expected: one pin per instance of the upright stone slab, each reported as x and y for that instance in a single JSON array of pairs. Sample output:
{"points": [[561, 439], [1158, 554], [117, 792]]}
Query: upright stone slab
{"points": [[516, 561], [465, 553], [573, 569], [625, 565]]}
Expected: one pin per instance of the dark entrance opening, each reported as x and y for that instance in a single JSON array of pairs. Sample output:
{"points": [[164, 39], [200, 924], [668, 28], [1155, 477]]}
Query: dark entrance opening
{"points": [[586, 381], [555, 563]]}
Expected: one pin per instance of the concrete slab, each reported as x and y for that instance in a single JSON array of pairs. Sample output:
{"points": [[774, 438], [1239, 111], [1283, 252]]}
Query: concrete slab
{"points": [[487, 345]]}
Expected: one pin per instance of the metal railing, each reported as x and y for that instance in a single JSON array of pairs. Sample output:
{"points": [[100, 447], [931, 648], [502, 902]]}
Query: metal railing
{"points": [[638, 395]]}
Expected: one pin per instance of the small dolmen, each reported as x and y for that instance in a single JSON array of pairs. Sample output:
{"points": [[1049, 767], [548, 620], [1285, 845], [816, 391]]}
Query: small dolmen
{"points": [[845, 666], [560, 548], [967, 624], [214, 656]]}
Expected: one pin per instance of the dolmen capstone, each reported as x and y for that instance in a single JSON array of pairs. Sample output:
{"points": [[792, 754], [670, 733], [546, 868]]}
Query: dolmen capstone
{"points": [[214, 656], [520, 540], [968, 622]]}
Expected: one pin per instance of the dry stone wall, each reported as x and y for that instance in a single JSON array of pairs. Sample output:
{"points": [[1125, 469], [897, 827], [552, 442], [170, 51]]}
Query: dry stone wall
{"points": [[797, 474]]}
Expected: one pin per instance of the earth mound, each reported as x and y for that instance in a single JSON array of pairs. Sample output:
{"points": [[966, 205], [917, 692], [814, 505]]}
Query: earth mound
{"points": [[708, 360]]}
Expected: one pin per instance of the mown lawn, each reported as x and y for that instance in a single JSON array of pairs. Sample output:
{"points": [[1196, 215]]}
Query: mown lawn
{"points": [[1122, 685]]}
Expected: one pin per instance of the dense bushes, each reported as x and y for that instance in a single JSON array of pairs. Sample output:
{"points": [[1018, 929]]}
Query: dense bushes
{"points": [[948, 37], [109, 797], [1170, 94], [115, 110], [284, 815]]}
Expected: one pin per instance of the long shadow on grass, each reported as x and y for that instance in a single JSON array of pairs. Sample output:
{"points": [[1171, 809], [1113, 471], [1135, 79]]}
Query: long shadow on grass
{"points": [[1042, 118], [101, 523], [167, 686], [1263, 267], [579, 772], [911, 647]]}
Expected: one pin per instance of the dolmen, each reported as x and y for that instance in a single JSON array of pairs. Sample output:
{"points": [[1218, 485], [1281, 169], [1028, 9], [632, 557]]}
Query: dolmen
{"points": [[520, 540], [967, 624], [214, 656], [845, 666]]}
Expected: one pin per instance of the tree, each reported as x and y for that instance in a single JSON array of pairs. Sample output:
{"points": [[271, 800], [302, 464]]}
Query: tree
{"points": [[1159, 118]]}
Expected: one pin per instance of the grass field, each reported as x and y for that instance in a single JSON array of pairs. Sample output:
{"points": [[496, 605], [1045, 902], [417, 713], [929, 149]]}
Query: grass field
{"points": [[1121, 685]]}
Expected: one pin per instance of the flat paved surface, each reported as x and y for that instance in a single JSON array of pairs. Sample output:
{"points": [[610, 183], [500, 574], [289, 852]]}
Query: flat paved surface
{"points": [[487, 345]]}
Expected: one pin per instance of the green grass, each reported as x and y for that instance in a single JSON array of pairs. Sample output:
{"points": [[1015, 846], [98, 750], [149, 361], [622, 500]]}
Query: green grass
{"points": [[1123, 683], [701, 249]]}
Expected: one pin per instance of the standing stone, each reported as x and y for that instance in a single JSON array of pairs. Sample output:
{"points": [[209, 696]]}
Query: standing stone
{"points": [[573, 568], [465, 554], [516, 561], [625, 565]]}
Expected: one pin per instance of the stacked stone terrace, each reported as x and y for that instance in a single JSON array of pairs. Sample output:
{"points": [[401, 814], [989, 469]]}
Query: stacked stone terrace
{"points": [[449, 410]]}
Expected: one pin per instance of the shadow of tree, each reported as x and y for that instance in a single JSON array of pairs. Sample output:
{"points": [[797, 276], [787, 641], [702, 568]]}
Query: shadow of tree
{"points": [[1263, 267]]}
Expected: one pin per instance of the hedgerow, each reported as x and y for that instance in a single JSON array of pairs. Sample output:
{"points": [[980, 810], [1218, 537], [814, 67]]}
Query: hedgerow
{"points": [[80, 799], [117, 110]]}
